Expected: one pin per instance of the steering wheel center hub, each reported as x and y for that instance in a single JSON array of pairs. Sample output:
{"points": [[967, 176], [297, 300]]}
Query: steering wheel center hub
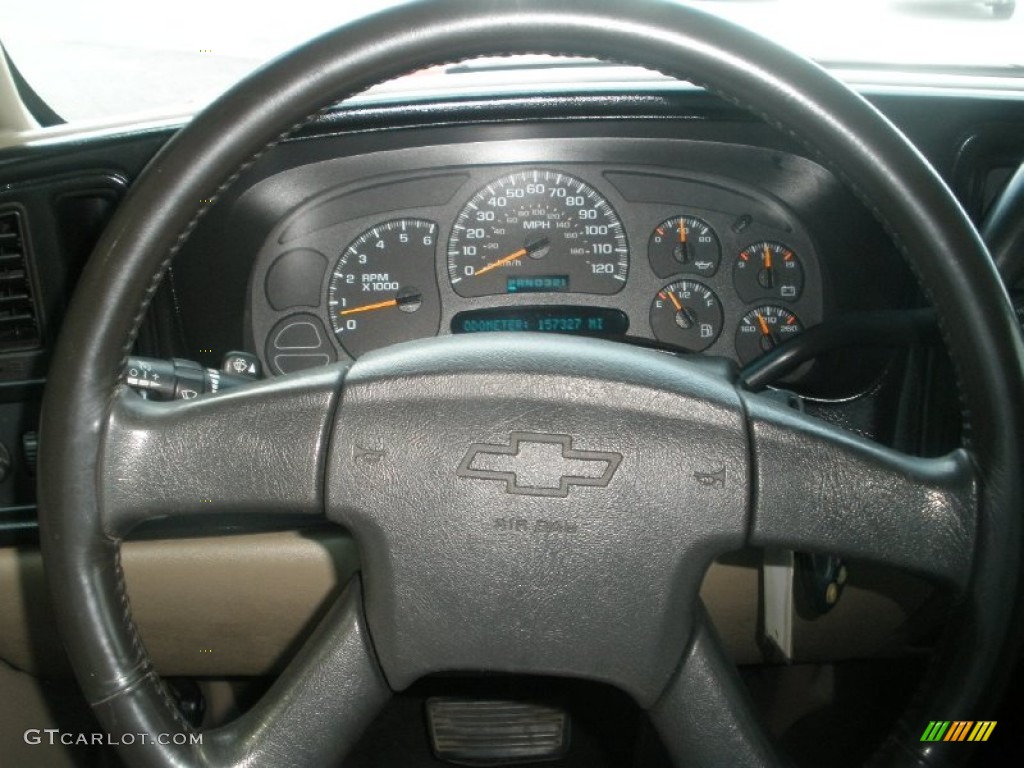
{"points": [[515, 498]]}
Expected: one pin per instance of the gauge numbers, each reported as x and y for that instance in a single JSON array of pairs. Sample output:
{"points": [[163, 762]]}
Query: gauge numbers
{"points": [[544, 231], [766, 271], [537, 231], [686, 314], [382, 288], [684, 244], [762, 329]]}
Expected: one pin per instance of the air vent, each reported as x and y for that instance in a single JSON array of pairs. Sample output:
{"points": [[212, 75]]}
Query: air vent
{"points": [[19, 319]]}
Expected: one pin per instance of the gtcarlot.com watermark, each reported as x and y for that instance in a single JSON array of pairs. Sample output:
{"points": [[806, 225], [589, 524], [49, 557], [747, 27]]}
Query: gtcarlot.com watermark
{"points": [[53, 736]]}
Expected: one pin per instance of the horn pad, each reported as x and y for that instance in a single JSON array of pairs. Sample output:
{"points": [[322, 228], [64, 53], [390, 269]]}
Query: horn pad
{"points": [[515, 498]]}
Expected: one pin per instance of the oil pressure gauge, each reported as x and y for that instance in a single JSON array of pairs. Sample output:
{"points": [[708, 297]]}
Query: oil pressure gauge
{"points": [[684, 244]]}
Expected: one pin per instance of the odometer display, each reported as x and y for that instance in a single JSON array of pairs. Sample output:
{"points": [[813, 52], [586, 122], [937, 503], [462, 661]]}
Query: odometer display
{"points": [[533, 229], [582, 321]]}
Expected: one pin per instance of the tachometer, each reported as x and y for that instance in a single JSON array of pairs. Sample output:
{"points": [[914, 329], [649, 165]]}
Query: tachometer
{"points": [[383, 288], [537, 231]]}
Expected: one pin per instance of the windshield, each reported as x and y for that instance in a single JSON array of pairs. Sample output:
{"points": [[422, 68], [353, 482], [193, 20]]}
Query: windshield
{"points": [[102, 61]]}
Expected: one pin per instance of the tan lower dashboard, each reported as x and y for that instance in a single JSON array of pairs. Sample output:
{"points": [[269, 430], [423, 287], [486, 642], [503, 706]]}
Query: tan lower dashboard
{"points": [[240, 605]]}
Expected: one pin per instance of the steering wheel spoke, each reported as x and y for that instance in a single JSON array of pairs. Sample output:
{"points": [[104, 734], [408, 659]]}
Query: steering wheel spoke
{"points": [[705, 716], [257, 449], [319, 706], [312, 715], [820, 488]]}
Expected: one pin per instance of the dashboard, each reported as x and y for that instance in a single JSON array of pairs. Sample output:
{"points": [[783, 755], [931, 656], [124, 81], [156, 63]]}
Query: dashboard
{"points": [[262, 266], [687, 246]]}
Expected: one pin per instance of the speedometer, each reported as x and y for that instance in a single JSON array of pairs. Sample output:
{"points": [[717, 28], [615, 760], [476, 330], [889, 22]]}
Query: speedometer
{"points": [[537, 231]]}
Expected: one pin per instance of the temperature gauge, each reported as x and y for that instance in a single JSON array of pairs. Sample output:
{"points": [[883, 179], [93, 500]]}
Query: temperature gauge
{"points": [[686, 314], [762, 329]]}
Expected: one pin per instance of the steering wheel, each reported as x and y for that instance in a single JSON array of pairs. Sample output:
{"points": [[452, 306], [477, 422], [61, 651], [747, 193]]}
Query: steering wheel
{"points": [[665, 463]]}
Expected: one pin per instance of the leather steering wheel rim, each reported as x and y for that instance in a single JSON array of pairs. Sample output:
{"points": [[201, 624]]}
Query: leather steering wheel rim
{"points": [[81, 547]]}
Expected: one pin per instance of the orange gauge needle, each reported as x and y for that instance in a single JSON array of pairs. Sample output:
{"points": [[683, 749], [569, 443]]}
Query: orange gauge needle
{"points": [[542, 243], [671, 297], [767, 276], [503, 260], [764, 325], [683, 249], [370, 307]]}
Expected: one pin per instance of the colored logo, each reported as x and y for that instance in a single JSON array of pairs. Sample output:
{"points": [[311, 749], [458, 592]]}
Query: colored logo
{"points": [[539, 464], [958, 730]]}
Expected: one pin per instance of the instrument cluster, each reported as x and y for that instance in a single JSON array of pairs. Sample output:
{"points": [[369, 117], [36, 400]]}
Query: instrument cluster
{"points": [[654, 256]]}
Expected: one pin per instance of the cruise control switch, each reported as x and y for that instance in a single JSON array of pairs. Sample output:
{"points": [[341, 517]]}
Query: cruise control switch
{"points": [[177, 379]]}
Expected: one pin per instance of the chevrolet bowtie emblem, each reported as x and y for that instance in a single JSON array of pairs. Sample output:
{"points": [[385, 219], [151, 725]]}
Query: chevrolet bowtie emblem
{"points": [[539, 464]]}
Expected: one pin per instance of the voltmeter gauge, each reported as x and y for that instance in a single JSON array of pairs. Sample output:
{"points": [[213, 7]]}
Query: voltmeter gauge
{"points": [[762, 329], [686, 314], [684, 244], [766, 271]]}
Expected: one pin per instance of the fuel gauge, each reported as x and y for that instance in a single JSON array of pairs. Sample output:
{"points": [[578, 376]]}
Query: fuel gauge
{"points": [[687, 314]]}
